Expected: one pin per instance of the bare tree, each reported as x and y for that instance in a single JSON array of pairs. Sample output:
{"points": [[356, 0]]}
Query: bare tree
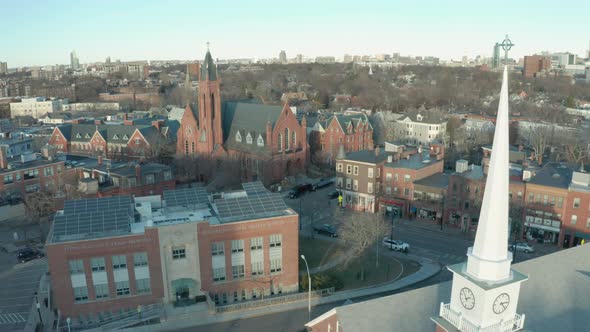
{"points": [[361, 232], [539, 140], [38, 206]]}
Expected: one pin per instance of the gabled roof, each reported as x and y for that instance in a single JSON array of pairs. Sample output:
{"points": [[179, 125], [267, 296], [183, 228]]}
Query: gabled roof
{"points": [[111, 133], [248, 116], [557, 175]]}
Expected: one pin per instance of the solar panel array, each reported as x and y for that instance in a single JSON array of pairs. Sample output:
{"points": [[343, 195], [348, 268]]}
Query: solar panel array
{"points": [[98, 204], [254, 188], [186, 197], [251, 206], [91, 218]]}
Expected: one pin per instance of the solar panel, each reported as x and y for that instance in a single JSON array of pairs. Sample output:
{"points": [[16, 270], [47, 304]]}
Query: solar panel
{"points": [[98, 204], [186, 197], [262, 203], [254, 188]]}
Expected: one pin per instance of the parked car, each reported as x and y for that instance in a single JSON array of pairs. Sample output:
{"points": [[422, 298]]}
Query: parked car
{"points": [[322, 183], [325, 229], [521, 246], [333, 194], [396, 245], [300, 190], [28, 254]]}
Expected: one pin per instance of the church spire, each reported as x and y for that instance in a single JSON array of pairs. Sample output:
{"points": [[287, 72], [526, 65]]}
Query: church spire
{"points": [[489, 259], [208, 69], [187, 85]]}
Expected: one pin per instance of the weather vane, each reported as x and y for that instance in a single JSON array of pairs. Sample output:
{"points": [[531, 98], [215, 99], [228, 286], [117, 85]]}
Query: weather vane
{"points": [[506, 46]]}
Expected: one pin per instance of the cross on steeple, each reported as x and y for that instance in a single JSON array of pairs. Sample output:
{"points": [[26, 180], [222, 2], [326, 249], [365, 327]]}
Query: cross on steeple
{"points": [[208, 43], [506, 46]]}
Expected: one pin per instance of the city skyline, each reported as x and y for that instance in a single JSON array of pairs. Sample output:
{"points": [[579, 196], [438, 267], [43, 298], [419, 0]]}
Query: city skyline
{"points": [[143, 31]]}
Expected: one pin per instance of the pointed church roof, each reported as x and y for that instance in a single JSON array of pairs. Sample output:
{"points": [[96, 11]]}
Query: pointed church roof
{"points": [[208, 69], [489, 259]]}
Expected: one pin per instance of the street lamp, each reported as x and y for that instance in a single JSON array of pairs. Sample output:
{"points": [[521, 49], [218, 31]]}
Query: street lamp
{"points": [[38, 308], [69, 320], [309, 289]]}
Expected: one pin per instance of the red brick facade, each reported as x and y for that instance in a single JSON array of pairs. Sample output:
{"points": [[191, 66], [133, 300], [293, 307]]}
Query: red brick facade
{"points": [[59, 254], [575, 229], [43, 175], [355, 133]]}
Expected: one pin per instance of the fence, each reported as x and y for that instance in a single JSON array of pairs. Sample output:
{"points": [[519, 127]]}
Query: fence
{"points": [[110, 322], [464, 325], [274, 300]]}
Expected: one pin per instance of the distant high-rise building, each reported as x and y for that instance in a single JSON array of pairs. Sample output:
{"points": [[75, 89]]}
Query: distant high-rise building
{"points": [[74, 61], [496, 57], [283, 57], [299, 58], [3, 68], [347, 58], [108, 60], [535, 64]]}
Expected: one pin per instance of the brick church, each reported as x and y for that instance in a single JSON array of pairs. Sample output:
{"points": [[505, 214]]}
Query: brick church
{"points": [[269, 141]]}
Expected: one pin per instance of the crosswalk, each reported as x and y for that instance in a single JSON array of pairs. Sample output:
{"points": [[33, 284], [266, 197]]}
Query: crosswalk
{"points": [[13, 318], [438, 256]]}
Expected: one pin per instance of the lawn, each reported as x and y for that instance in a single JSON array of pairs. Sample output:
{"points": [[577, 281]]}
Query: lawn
{"points": [[318, 252]]}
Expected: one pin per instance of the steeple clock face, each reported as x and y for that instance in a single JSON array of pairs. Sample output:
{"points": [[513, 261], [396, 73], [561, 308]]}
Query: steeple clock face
{"points": [[501, 303], [467, 298]]}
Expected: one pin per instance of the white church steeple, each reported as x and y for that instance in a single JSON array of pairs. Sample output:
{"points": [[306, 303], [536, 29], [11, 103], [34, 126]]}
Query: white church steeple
{"points": [[485, 290], [489, 258]]}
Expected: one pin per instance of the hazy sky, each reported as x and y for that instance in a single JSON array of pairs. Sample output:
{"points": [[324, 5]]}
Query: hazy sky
{"points": [[44, 32]]}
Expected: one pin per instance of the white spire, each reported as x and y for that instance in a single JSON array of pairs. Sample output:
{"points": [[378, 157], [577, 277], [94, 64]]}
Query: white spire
{"points": [[489, 258]]}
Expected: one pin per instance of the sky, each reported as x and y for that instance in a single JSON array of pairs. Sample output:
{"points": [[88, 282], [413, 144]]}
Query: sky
{"points": [[45, 32]]}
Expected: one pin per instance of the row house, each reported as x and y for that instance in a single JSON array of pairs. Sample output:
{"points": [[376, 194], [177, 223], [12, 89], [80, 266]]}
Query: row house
{"points": [[429, 197], [110, 141], [575, 228], [181, 248], [420, 127], [27, 173], [354, 132]]}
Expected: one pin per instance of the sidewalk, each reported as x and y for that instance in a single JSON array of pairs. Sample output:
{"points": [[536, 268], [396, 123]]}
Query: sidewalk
{"points": [[428, 269]]}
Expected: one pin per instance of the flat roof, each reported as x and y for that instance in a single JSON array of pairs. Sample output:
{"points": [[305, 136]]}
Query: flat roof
{"points": [[416, 161]]}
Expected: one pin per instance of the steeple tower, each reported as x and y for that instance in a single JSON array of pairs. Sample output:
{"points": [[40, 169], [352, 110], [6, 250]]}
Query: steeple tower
{"points": [[485, 290], [210, 129]]}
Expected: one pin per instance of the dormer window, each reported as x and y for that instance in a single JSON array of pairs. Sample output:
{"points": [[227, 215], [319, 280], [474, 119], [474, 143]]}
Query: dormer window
{"points": [[249, 138], [125, 137], [116, 136], [419, 117], [260, 141], [87, 135], [238, 137], [78, 135]]}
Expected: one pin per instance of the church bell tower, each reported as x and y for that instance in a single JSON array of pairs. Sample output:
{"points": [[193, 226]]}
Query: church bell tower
{"points": [[485, 289], [210, 130]]}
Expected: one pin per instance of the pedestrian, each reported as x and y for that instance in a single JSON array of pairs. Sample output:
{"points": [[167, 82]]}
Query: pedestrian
{"points": [[340, 200], [139, 311]]}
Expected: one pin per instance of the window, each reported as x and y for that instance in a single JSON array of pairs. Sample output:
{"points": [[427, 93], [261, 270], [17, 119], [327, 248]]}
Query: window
{"points": [[280, 142], [9, 178], [76, 266], [257, 268], [275, 240], [219, 274], [238, 137], [186, 148], [370, 172], [122, 288], [466, 204], [125, 137], [338, 182], [276, 265], [574, 219], [238, 271], [260, 141], [370, 188], [167, 175], [179, 252], [150, 179], [237, 246], [140, 259], [256, 243], [588, 222], [217, 248], [119, 262], [48, 171], [339, 167], [387, 176], [80, 294], [545, 200], [78, 135], [87, 135], [249, 138], [348, 183], [348, 169], [142, 286], [407, 192], [115, 136], [396, 177], [356, 170], [287, 147], [243, 294], [407, 178], [97, 264], [388, 190], [31, 174], [560, 202], [355, 184], [531, 197], [101, 291], [576, 203]]}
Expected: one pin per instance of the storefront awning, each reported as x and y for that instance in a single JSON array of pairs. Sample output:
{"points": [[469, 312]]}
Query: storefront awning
{"points": [[543, 227], [582, 235]]}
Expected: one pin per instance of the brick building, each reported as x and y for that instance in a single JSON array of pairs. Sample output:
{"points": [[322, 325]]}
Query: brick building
{"points": [[536, 64], [185, 246], [111, 141], [354, 132], [575, 228], [268, 140]]}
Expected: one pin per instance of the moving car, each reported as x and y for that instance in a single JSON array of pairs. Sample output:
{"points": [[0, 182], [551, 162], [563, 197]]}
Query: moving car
{"points": [[325, 229], [28, 254], [333, 194], [323, 183], [521, 246], [300, 190], [396, 245]]}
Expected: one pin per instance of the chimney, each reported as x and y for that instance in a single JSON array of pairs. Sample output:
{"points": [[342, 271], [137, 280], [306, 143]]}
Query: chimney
{"points": [[97, 122], [128, 122], [461, 166], [156, 124], [269, 134], [377, 151], [389, 158], [3, 158], [138, 173], [99, 160]]}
